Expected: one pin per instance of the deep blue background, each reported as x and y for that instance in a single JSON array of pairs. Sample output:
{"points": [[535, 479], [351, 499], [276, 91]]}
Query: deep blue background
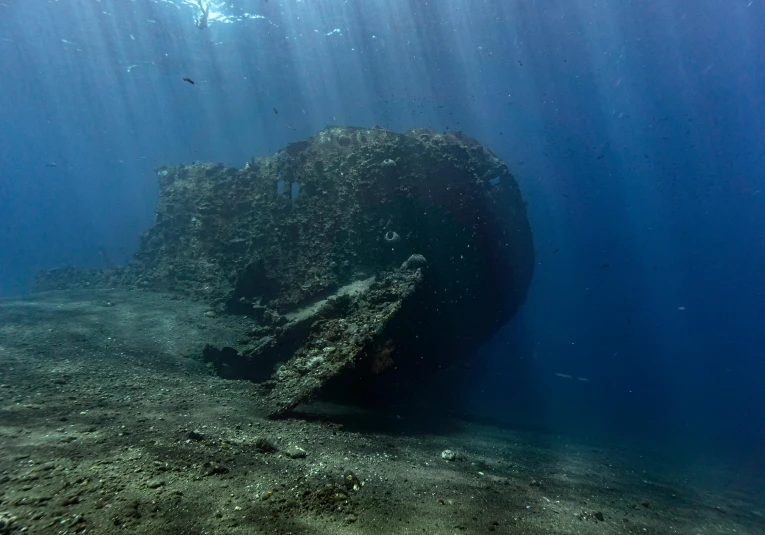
{"points": [[635, 128]]}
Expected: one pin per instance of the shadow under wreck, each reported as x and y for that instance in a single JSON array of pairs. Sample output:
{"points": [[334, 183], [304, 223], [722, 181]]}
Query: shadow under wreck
{"points": [[358, 255]]}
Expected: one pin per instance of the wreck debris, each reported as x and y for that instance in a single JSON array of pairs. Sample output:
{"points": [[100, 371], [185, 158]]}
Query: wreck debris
{"points": [[401, 254]]}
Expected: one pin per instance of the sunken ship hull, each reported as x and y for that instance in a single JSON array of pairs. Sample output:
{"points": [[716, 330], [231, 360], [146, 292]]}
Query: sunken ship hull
{"points": [[356, 256]]}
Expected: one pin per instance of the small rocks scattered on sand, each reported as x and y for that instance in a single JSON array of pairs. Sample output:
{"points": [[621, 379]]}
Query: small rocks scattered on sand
{"points": [[158, 451], [264, 445], [295, 452], [212, 468], [351, 481], [449, 455], [6, 522], [587, 515]]}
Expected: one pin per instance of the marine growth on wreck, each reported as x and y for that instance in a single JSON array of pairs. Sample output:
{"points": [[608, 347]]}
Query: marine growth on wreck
{"points": [[358, 255]]}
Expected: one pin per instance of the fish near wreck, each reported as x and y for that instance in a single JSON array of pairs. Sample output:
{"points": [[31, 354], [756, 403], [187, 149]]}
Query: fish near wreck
{"points": [[401, 254]]}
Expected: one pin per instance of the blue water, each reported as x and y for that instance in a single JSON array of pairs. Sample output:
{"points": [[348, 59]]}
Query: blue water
{"points": [[635, 129]]}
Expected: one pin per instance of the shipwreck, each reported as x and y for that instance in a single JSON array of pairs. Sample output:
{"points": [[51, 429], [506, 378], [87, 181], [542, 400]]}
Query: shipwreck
{"points": [[356, 256]]}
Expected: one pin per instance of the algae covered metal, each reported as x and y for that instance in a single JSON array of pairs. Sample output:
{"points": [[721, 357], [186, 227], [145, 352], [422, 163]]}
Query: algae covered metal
{"points": [[356, 254]]}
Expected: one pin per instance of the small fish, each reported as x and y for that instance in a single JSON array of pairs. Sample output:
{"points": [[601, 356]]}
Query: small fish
{"points": [[520, 63], [564, 376], [604, 266], [189, 80], [276, 111], [51, 164], [556, 250]]}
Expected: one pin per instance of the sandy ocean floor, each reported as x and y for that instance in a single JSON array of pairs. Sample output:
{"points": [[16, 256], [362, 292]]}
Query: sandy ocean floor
{"points": [[111, 423]]}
